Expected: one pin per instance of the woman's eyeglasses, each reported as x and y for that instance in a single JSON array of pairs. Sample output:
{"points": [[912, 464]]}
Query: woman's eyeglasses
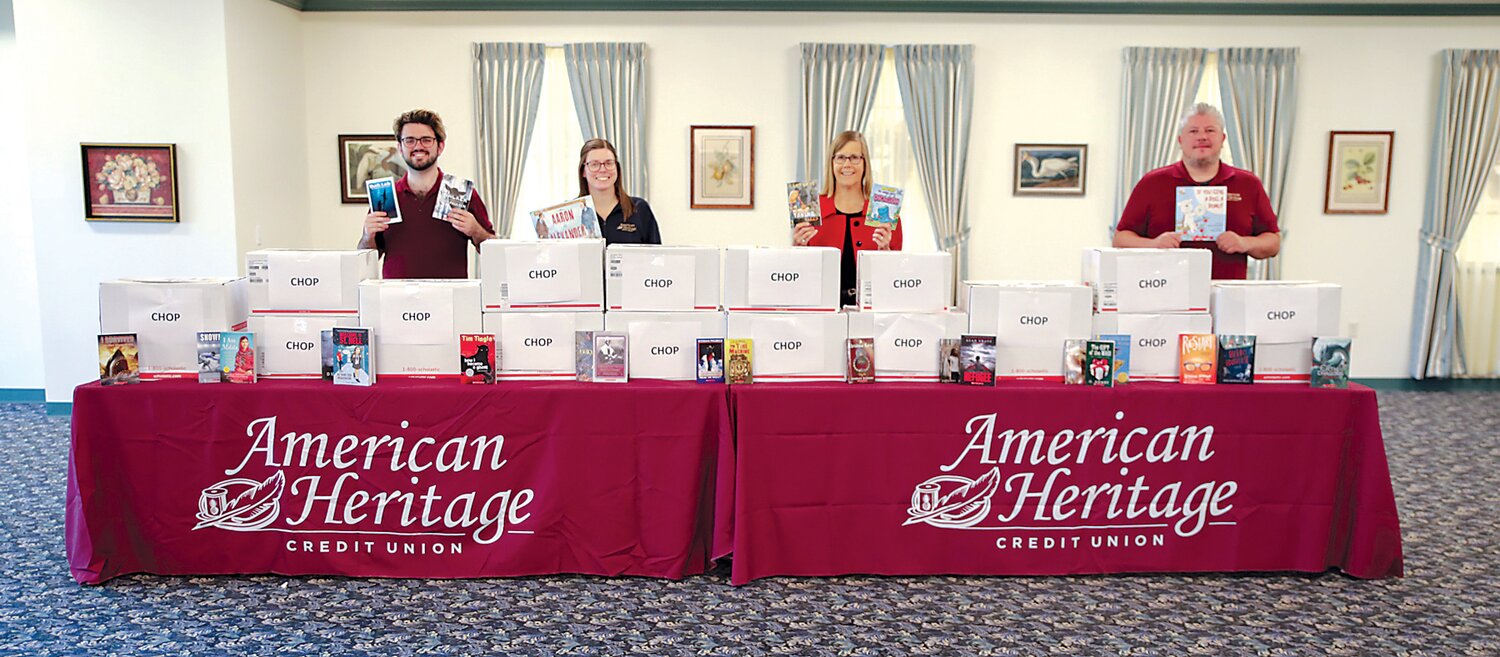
{"points": [[848, 159], [597, 165]]}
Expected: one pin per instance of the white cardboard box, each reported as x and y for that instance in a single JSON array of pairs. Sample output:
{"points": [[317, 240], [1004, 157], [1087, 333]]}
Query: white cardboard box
{"points": [[1284, 316], [282, 281], [759, 279], [416, 324], [664, 345], [289, 346], [1153, 339], [906, 344], [790, 347], [166, 316], [539, 346], [896, 281], [542, 276], [661, 278], [1030, 322], [1148, 280]]}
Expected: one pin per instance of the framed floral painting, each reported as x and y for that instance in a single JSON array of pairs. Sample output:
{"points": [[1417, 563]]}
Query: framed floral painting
{"points": [[721, 159], [1359, 172], [130, 182]]}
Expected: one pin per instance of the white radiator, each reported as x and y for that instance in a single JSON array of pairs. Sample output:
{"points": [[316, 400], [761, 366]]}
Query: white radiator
{"points": [[1479, 310]]}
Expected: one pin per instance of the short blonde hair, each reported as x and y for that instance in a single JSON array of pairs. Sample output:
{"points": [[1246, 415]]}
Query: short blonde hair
{"points": [[843, 139], [1200, 109]]}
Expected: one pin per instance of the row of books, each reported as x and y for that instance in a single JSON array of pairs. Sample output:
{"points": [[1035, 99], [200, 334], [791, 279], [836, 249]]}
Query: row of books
{"points": [[230, 357]]}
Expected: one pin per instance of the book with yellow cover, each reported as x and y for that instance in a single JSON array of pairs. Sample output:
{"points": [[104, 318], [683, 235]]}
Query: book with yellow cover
{"points": [[1198, 357], [738, 358]]}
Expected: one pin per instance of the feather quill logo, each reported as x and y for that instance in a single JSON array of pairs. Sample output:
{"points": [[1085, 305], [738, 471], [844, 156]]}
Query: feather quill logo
{"points": [[950, 501], [241, 504]]}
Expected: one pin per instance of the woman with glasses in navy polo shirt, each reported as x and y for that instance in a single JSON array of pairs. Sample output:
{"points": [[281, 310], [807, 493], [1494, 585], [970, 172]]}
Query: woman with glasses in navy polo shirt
{"points": [[844, 201], [624, 219]]}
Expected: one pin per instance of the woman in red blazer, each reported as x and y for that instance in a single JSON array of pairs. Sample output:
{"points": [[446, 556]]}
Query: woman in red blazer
{"points": [[846, 196]]}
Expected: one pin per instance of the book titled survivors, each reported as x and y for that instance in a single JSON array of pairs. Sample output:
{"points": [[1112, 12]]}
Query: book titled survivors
{"points": [[353, 356], [710, 360], [1099, 363], [1330, 362], [453, 194], [1201, 212], [861, 360], [977, 355], [382, 193], [802, 202], [476, 358], [885, 206], [119, 360], [209, 369], [567, 220], [1236, 358], [738, 358]]}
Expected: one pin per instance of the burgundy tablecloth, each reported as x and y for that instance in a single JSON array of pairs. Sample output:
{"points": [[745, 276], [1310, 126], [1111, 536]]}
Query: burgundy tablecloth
{"points": [[403, 479], [1289, 479]]}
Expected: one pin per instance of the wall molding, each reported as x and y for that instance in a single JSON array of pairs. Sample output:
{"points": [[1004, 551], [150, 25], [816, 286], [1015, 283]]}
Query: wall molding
{"points": [[1153, 7]]}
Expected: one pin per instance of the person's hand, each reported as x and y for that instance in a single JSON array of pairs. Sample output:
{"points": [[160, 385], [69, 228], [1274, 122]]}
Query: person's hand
{"points": [[1230, 242], [882, 238], [1168, 240], [464, 222], [376, 222], [803, 234]]}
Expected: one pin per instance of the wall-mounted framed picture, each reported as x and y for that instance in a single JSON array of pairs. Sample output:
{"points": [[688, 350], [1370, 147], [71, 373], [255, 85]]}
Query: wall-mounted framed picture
{"points": [[366, 157], [1051, 169], [130, 182], [1359, 172], [722, 166]]}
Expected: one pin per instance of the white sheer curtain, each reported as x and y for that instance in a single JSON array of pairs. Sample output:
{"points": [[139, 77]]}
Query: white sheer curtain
{"points": [[551, 174]]}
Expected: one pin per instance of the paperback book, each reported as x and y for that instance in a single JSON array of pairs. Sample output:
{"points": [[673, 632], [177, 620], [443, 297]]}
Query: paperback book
{"points": [[1099, 363], [977, 353], [567, 220], [476, 358], [454, 193], [710, 360], [119, 360], [209, 369], [354, 356], [611, 357], [583, 355], [802, 201], [237, 356], [1197, 353], [949, 370], [1122, 357], [861, 360], [1074, 352], [885, 206], [1330, 362], [1201, 212], [739, 354], [326, 338], [1236, 358], [383, 198]]}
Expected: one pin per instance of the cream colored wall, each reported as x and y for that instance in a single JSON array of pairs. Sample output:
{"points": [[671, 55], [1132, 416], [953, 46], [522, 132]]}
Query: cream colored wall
{"points": [[20, 368]]}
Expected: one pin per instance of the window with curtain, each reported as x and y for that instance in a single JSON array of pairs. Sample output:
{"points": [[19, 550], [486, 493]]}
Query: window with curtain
{"points": [[1208, 92], [1478, 284], [892, 161], [551, 173]]}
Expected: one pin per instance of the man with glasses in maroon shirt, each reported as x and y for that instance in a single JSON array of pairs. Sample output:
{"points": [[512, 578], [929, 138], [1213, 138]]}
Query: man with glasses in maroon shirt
{"points": [[420, 246]]}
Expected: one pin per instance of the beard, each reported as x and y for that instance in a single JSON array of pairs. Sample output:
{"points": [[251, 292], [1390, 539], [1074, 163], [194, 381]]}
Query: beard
{"points": [[431, 160]]}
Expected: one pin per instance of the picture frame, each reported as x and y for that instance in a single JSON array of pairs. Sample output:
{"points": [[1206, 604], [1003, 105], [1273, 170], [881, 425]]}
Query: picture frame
{"points": [[1051, 169], [1359, 172], [130, 182], [366, 157], [722, 167]]}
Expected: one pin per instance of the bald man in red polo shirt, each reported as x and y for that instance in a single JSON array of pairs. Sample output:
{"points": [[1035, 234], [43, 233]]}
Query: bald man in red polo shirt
{"points": [[420, 246], [1150, 217]]}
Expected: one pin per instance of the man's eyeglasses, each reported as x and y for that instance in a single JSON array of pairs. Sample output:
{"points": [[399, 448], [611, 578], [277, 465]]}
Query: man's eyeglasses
{"points": [[848, 159], [597, 165], [413, 141]]}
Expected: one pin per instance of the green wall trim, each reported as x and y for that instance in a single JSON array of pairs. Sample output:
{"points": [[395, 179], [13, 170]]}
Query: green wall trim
{"points": [[59, 408], [22, 395], [1433, 385], [1165, 7]]}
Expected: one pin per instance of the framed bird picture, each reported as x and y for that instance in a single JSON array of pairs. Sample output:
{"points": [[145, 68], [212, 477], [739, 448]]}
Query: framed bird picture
{"points": [[722, 167]]}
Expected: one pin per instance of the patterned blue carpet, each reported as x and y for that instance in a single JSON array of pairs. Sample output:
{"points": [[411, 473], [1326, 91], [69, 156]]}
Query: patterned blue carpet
{"points": [[1444, 450]]}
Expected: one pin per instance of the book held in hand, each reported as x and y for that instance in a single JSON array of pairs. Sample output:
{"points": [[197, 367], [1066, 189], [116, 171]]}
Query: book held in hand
{"points": [[354, 356], [1197, 353], [739, 353], [567, 220], [977, 356], [1074, 350], [383, 198], [583, 356], [119, 359], [710, 360], [861, 361], [454, 193], [949, 370], [1330, 362], [1122, 357], [611, 357], [209, 369], [885, 206], [802, 201], [1236, 358], [1201, 212], [1099, 363], [476, 358], [237, 356]]}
